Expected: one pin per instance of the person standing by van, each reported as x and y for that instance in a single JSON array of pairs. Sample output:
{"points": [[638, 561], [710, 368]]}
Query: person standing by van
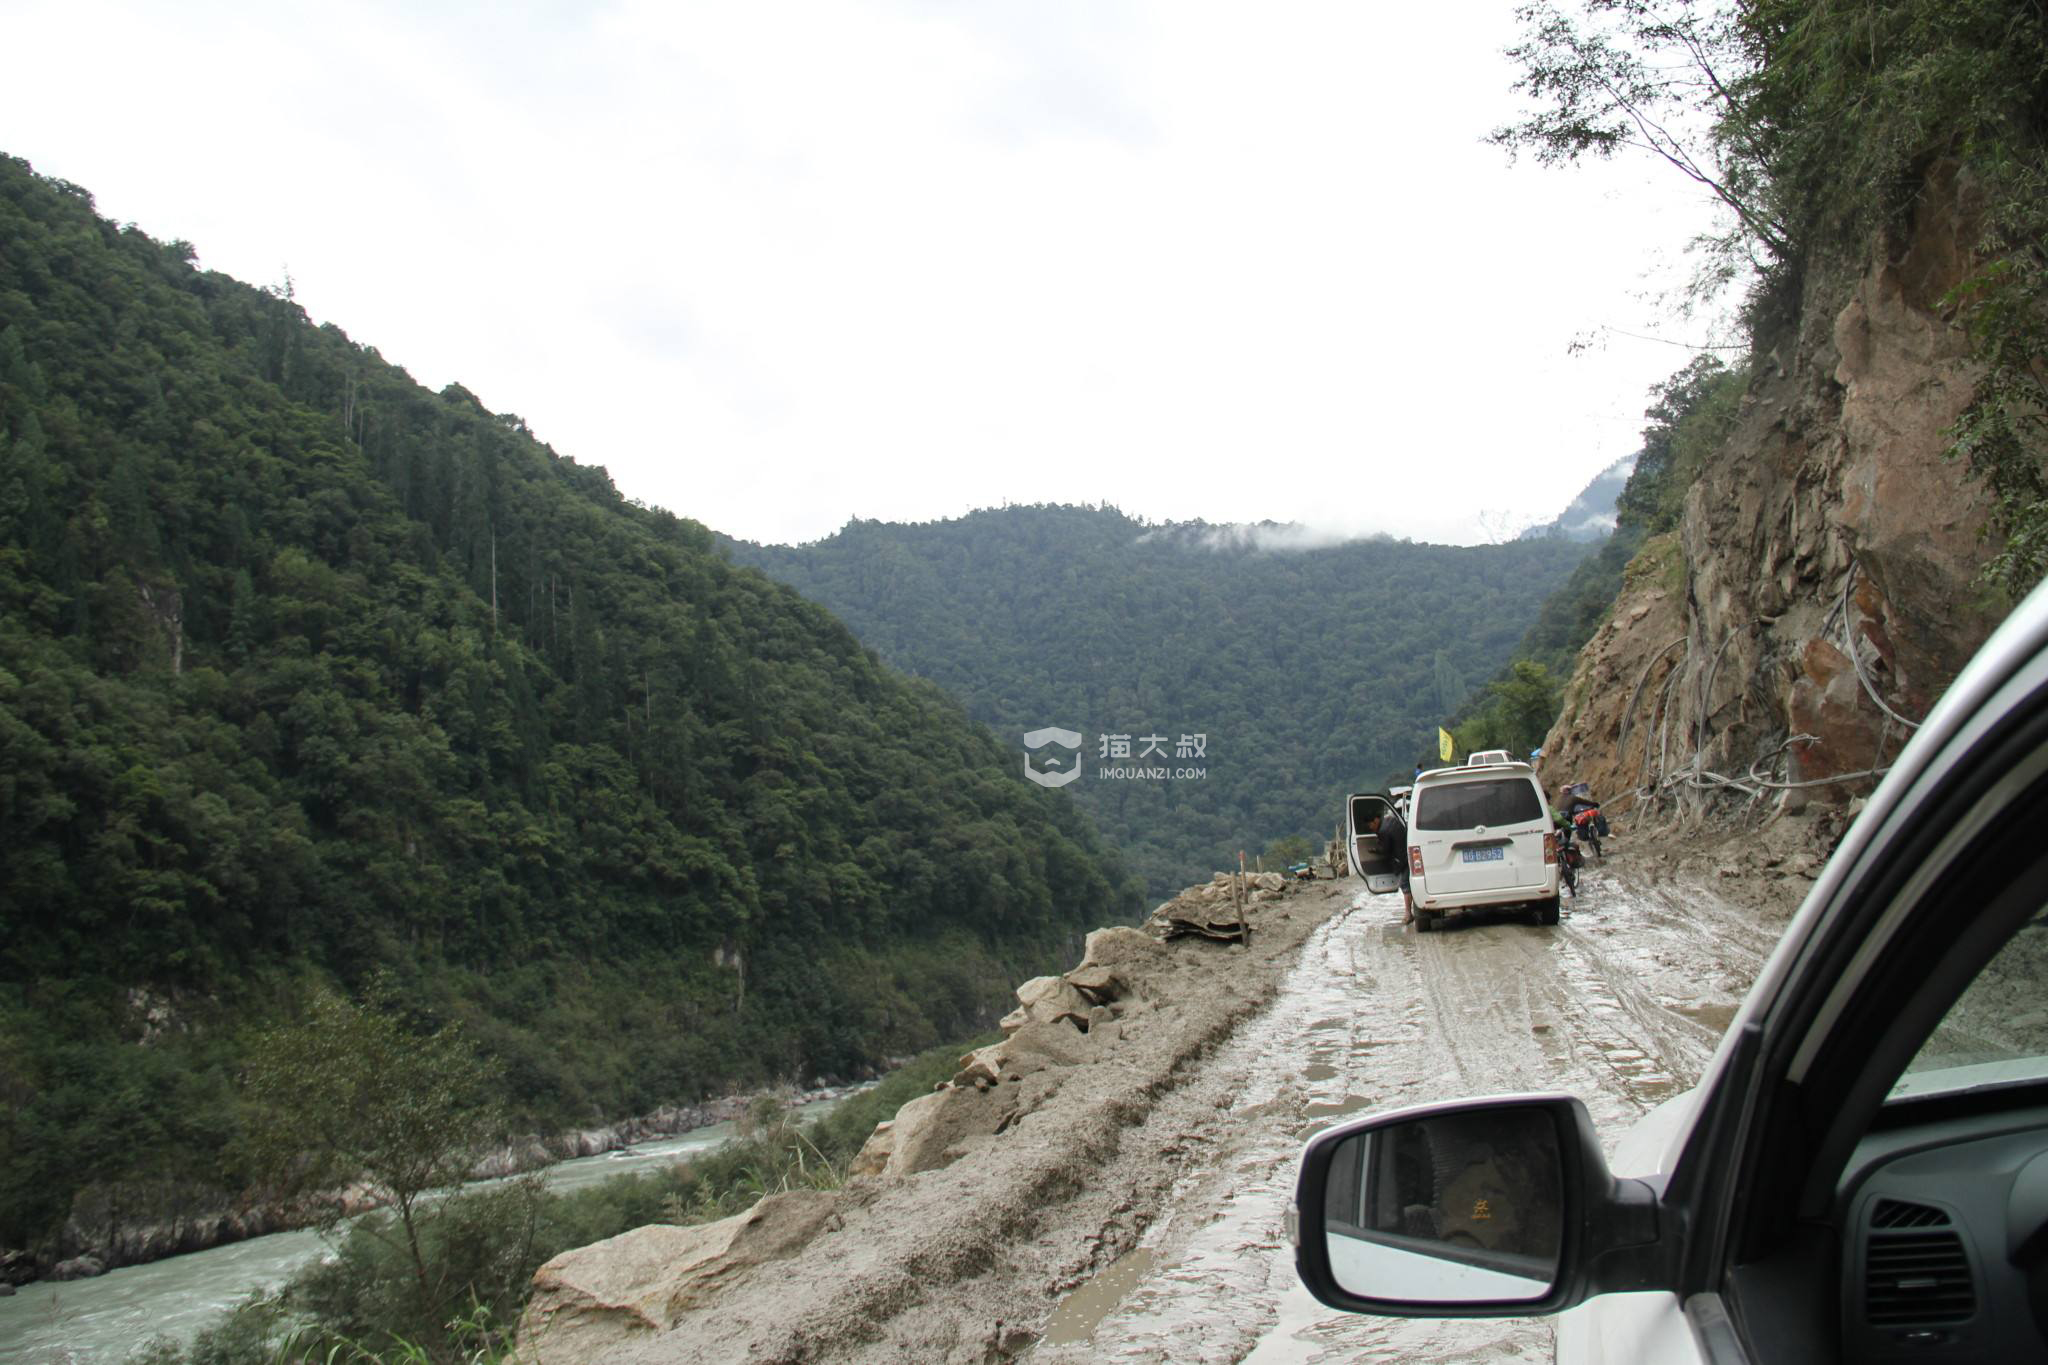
{"points": [[1392, 832]]}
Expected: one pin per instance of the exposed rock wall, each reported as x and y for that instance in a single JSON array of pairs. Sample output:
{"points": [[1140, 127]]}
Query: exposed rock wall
{"points": [[1829, 523]]}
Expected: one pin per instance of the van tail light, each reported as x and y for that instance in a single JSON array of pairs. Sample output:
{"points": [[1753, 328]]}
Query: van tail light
{"points": [[1550, 848], [1415, 861]]}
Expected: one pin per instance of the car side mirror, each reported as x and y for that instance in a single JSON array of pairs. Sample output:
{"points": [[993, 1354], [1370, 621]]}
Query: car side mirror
{"points": [[1481, 1208]]}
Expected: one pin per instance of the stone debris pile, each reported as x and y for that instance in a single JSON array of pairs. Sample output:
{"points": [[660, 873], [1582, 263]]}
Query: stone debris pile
{"points": [[1060, 1022], [1218, 908]]}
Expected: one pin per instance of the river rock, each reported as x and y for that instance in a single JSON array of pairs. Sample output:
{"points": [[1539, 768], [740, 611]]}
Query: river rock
{"points": [[627, 1288], [78, 1268], [588, 1142]]}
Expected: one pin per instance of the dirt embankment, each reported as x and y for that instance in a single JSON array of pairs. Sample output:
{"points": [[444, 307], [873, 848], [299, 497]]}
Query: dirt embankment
{"points": [[1042, 1162]]}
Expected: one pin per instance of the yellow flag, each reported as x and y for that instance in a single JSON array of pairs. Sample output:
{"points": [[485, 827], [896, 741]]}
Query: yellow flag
{"points": [[1443, 743]]}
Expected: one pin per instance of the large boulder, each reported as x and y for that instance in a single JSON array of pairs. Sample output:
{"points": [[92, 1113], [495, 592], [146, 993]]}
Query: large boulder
{"points": [[1057, 1043], [1117, 962], [873, 1157], [1045, 999], [981, 1067], [934, 1130], [1122, 949], [987, 1095], [632, 1286], [1095, 981]]}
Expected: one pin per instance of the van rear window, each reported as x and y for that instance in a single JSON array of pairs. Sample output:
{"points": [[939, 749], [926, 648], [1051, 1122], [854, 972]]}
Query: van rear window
{"points": [[1489, 801]]}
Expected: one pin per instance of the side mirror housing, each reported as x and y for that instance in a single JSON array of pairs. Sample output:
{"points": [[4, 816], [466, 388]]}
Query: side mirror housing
{"points": [[1498, 1207]]}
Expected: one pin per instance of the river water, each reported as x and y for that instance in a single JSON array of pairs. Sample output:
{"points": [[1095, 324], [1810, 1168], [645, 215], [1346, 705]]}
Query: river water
{"points": [[105, 1318]]}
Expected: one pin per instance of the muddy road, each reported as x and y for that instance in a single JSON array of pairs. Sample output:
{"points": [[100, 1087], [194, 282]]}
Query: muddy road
{"points": [[1621, 1004], [1125, 1204]]}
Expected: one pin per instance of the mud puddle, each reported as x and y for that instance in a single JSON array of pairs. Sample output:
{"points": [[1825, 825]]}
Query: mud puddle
{"points": [[1076, 1318]]}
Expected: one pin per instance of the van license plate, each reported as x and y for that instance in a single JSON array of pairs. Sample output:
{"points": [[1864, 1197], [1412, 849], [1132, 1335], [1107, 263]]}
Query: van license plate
{"points": [[1485, 855]]}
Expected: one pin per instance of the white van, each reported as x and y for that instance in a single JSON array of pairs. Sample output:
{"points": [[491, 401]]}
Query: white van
{"points": [[1478, 835]]}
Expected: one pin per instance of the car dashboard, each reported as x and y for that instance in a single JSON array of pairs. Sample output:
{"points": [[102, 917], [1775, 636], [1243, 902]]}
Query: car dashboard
{"points": [[1944, 1218]]}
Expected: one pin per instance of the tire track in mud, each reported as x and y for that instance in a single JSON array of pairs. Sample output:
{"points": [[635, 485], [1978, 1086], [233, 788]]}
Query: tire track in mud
{"points": [[1622, 1005]]}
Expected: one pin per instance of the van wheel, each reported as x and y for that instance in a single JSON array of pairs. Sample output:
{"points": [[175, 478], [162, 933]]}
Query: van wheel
{"points": [[1425, 920], [1546, 911]]}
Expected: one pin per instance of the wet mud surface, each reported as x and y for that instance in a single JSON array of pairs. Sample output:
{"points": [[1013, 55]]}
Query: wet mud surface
{"points": [[1621, 1004]]}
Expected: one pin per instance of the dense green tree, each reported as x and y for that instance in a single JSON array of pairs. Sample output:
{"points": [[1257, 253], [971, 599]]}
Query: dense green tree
{"points": [[350, 1094]]}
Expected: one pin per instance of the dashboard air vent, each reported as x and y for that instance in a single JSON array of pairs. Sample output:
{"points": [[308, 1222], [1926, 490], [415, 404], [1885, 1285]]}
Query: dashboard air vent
{"points": [[1897, 1213], [1915, 1270]]}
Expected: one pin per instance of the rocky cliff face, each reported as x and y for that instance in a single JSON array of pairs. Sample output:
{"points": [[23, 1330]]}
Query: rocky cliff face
{"points": [[1819, 594]]}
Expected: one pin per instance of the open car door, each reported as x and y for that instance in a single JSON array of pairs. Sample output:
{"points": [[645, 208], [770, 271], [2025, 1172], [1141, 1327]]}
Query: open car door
{"points": [[1363, 847]]}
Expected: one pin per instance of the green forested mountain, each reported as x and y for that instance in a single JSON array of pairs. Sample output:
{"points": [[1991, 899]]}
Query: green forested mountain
{"points": [[1310, 671], [310, 676]]}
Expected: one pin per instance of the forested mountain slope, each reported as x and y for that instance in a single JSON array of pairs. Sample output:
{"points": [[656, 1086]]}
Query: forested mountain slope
{"points": [[309, 675], [1310, 672]]}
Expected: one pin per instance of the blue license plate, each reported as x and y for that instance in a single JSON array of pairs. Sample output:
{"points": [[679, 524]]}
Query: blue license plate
{"points": [[1485, 855]]}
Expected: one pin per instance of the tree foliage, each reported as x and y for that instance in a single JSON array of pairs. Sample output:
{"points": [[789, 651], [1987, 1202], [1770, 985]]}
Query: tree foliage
{"points": [[1662, 77], [308, 674], [351, 1095]]}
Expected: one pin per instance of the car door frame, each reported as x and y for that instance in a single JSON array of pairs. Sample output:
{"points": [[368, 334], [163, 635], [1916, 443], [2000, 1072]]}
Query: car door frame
{"points": [[1383, 875], [1865, 973]]}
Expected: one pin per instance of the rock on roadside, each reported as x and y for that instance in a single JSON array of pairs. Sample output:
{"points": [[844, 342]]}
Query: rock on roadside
{"points": [[640, 1282]]}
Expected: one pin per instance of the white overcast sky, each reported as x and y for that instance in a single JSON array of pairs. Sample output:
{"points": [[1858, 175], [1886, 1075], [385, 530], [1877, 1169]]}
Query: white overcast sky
{"points": [[775, 265]]}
